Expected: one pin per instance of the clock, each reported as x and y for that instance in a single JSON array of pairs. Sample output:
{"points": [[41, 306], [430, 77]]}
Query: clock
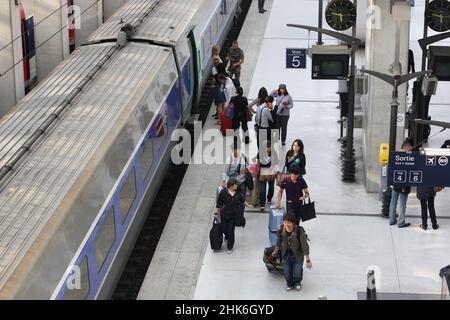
{"points": [[437, 15], [340, 14]]}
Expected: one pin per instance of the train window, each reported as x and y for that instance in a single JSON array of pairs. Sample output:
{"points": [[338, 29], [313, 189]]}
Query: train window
{"points": [[104, 239], [161, 129], [127, 195], [223, 7], [146, 158], [78, 289]]}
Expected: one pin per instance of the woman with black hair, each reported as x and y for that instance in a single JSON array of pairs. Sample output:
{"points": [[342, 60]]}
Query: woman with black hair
{"points": [[296, 157]]}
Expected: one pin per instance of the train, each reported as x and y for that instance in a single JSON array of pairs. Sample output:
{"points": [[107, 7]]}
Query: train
{"points": [[82, 156]]}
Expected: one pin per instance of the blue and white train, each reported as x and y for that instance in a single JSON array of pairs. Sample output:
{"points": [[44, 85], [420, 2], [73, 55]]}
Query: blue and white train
{"points": [[71, 208]]}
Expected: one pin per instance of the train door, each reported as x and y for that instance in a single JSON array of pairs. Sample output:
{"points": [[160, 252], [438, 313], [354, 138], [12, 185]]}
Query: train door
{"points": [[194, 69], [28, 50]]}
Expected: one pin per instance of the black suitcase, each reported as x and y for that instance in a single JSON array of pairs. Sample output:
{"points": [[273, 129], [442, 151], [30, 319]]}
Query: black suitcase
{"points": [[272, 263], [216, 235]]}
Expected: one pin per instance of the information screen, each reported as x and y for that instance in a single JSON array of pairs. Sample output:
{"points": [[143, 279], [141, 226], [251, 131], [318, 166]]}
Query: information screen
{"points": [[332, 68]]}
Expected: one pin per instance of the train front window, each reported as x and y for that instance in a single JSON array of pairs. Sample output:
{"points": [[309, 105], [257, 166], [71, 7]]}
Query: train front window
{"points": [[127, 195]]}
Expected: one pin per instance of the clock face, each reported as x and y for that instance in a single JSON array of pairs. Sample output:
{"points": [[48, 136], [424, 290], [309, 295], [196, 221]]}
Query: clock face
{"points": [[437, 15], [340, 14]]}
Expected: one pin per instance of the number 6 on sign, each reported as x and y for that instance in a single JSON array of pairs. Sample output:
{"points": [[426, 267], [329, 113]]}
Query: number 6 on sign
{"points": [[415, 177]]}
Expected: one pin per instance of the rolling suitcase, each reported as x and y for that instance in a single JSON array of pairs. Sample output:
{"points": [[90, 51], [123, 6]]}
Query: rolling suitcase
{"points": [[272, 263], [216, 235], [275, 221], [225, 124]]}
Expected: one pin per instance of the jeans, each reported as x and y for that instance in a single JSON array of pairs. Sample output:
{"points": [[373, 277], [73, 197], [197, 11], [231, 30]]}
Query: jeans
{"points": [[393, 207], [423, 205], [228, 231], [293, 270], [262, 192], [294, 209]]}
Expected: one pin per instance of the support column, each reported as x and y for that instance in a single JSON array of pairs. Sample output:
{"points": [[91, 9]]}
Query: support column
{"points": [[90, 20], [52, 52], [12, 86], [380, 54], [111, 6]]}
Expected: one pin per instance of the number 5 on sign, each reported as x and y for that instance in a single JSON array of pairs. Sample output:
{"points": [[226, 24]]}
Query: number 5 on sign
{"points": [[295, 58]]}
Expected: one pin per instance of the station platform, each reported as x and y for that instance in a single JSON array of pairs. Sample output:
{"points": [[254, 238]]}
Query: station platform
{"points": [[349, 235]]}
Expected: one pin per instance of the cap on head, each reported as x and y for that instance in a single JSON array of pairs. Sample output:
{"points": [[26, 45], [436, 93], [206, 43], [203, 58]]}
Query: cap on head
{"points": [[282, 86]]}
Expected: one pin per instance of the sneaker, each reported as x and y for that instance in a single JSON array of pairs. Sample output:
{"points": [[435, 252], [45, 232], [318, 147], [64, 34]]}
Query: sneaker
{"points": [[424, 227], [283, 143], [229, 251], [391, 223], [262, 209], [269, 202], [298, 287], [435, 226], [215, 115], [288, 288], [404, 225]]}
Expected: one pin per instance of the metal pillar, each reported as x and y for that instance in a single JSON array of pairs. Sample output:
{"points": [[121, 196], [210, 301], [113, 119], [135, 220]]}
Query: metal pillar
{"points": [[319, 37], [349, 162]]}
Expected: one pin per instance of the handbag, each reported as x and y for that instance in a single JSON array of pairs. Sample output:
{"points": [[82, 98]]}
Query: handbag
{"points": [[239, 220], [307, 210], [249, 114], [229, 111], [249, 180], [280, 176], [267, 178]]}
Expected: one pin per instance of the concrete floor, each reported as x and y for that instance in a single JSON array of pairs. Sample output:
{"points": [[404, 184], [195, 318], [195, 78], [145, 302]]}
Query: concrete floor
{"points": [[348, 236]]}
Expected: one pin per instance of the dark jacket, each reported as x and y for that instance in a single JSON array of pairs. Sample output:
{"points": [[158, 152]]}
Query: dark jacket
{"points": [[424, 193], [229, 205], [299, 247], [300, 161], [402, 189], [240, 108]]}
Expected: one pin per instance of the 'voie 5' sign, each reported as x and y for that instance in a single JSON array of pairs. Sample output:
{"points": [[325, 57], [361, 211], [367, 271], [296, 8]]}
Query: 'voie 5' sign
{"points": [[414, 169]]}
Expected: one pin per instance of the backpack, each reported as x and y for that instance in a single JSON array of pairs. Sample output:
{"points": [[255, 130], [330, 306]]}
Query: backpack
{"points": [[229, 111]]}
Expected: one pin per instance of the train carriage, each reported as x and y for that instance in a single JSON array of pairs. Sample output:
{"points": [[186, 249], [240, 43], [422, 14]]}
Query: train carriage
{"points": [[72, 206]]}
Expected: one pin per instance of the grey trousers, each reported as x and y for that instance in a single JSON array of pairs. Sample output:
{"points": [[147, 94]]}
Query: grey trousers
{"points": [[261, 5], [283, 124]]}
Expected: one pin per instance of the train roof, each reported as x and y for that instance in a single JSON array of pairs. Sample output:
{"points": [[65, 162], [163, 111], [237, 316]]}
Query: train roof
{"points": [[31, 192], [167, 20]]}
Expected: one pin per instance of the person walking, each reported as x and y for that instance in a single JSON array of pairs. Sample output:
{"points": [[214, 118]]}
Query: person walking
{"points": [[236, 58], [240, 114], [296, 192], [228, 206], [400, 192], [283, 105], [235, 167], [263, 121], [293, 243], [296, 157], [426, 196], [268, 163]]}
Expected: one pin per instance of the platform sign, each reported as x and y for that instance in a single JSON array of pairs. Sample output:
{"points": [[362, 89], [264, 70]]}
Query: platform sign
{"points": [[414, 169], [295, 58]]}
